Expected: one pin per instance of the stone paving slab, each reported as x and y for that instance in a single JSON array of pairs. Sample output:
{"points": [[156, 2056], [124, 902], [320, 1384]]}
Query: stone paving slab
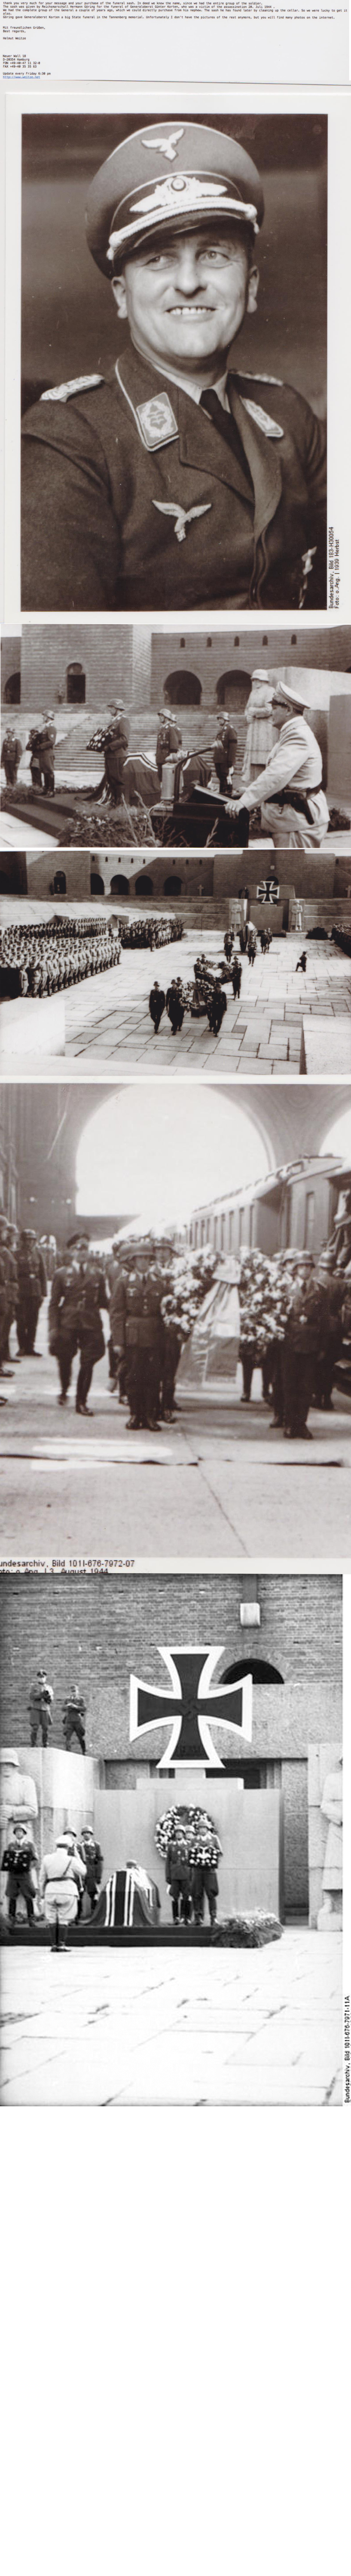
{"points": [[204, 2027], [269, 1001]]}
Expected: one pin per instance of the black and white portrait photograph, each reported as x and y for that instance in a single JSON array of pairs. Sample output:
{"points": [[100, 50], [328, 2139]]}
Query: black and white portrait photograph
{"points": [[174, 357], [171, 1801]]}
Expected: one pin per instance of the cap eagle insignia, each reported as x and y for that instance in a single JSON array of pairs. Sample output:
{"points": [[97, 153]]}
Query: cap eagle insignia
{"points": [[173, 510], [167, 143]]}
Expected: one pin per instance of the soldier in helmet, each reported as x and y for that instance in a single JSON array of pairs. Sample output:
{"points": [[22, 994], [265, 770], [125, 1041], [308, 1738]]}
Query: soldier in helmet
{"points": [[169, 739], [11, 754], [20, 1860], [179, 479]]}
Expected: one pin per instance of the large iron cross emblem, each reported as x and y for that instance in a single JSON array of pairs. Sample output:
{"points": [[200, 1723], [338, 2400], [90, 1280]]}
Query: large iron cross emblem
{"points": [[191, 1709], [269, 891]]}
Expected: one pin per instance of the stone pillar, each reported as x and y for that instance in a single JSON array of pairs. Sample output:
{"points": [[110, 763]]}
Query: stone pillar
{"points": [[59, 1792], [323, 1759], [141, 666]]}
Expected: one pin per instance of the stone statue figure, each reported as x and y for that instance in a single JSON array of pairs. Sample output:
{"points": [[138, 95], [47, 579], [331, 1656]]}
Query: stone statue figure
{"points": [[329, 1918]]}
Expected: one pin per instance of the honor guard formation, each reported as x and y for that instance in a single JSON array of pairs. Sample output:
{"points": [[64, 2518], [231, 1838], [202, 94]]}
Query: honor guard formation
{"points": [[176, 479]]}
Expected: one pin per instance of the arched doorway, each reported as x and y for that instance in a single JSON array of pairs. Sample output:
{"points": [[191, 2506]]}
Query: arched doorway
{"points": [[143, 885], [13, 875], [183, 689], [60, 882], [119, 885], [262, 1672], [172, 885], [12, 690], [75, 678], [96, 884], [233, 689]]}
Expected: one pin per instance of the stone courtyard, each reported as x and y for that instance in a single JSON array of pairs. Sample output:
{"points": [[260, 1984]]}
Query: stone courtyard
{"points": [[201, 2027], [277, 1013]]}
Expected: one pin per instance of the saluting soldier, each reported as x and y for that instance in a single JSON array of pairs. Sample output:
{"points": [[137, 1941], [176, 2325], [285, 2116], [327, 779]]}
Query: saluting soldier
{"points": [[177, 478]]}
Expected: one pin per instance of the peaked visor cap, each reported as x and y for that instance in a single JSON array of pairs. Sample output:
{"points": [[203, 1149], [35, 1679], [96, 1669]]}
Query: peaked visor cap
{"points": [[289, 698], [168, 175]]}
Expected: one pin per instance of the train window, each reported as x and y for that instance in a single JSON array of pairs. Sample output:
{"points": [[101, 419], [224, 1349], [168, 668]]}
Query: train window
{"points": [[309, 1221]]}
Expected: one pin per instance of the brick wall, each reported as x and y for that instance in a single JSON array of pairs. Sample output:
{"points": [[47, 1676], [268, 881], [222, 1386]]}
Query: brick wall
{"points": [[98, 1628], [10, 662], [210, 656], [104, 651]]}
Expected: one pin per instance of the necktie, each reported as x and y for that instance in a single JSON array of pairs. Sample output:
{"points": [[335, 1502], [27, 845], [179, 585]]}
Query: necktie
{"points": [[223, 421]]}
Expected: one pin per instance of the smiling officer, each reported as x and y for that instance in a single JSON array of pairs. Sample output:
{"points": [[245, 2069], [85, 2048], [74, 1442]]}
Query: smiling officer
{"points": [[176, 480]]}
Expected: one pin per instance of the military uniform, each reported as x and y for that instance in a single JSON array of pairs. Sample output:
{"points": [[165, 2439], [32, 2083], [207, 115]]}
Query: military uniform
{"points": [[223, 753], [114, 757], [20, 1860], [156, 1006], [134, 493], [289, 788], [11, 754], [168, 740], [47, 739], [93, 1293], [63, 1321], [100, 511], [40, 1703], [74, 1712], [31, 1290]]}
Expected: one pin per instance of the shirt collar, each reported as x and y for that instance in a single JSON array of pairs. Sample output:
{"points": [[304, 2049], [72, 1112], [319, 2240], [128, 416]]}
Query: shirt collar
{"points": [[191, 388]]}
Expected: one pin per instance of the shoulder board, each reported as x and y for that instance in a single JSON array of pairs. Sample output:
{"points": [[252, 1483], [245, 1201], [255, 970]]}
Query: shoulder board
{"points": [[76, 385], [250, 379], [271, 428]]}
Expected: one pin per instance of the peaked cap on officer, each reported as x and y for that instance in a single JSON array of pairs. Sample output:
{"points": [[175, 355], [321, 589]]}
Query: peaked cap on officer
{"points": [[168, 175], [289, 698]]}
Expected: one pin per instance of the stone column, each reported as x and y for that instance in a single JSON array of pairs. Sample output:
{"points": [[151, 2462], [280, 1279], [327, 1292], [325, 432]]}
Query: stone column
{"points": [[323, 1761]]}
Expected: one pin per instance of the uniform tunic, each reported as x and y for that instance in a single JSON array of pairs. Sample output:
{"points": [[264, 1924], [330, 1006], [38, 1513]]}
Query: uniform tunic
{"points": [[112, 522], [294, 765]]}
